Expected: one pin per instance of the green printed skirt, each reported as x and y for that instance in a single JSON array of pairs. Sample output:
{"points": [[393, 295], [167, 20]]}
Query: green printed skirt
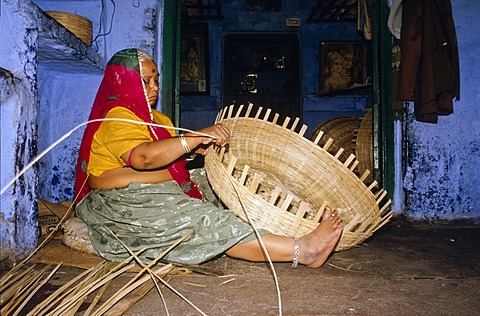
{"points": [[156, 216]]}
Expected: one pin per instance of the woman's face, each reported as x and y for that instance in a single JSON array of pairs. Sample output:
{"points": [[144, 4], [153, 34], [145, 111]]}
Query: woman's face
{"points": [[150, 80]]}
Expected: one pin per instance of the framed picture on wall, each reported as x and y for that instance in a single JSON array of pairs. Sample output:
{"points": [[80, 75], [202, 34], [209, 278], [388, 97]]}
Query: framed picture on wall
{"points": [[341, 66], [194, 68]]}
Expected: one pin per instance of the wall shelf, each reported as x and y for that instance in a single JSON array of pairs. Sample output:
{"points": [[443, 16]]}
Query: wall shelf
{"points": [[58, 47], [334, 11]]}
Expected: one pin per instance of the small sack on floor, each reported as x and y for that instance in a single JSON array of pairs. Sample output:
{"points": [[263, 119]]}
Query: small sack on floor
{"points": [[76, 236]]}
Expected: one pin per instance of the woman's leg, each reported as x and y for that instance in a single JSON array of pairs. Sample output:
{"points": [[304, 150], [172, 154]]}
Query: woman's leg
{"points": [[314, 247]]}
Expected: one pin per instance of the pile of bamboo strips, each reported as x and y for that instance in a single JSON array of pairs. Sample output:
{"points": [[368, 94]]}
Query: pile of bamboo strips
{"points": [[22, 283]]}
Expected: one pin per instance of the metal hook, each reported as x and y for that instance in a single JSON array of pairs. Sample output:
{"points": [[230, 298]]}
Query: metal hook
{"points": [[138, 4]]}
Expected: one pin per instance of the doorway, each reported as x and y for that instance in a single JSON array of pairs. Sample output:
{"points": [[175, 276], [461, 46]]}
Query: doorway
{"points": [[263, 69]]}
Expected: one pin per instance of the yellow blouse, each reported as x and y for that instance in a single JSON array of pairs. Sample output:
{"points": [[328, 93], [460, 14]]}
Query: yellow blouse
{"points": [[114, 138]]}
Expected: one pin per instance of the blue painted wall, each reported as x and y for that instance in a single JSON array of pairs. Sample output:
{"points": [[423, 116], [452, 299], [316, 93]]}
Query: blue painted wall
{"points": [[443, 178]]}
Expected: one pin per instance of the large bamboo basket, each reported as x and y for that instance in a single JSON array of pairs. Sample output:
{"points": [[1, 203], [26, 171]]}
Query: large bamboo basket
{"points": [[274, 178], [80, 26]]}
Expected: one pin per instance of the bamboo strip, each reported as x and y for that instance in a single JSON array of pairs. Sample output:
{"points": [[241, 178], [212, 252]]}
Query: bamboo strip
{"points": [[126, 302], [302, 209], [107, 304], [118, 297], [230, 111], [378, 193], [231, 165], [255, 183], [381, 197], [259, 111], [385, 221], [59, 294], [354, 165], [285, 123], [222, 154], [286, 203], [90, 289], [385, 206], [97, 298], [275, 195], [275, 118], [249, 110], [374, 184], [14, 288], [365, 175], [303, 130], [73, 310], [21, 291], [319, 136], [294, 125], [328, 144], [339, 152], [349, 160], [35, 290], [12, 278], [240, 108], [352, 223], [320, 212], [243, 177], [365, 224], [267, 114]]}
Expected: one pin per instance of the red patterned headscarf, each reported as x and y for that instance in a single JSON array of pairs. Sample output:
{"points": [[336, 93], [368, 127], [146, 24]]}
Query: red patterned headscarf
{"points": [[122, 86]]}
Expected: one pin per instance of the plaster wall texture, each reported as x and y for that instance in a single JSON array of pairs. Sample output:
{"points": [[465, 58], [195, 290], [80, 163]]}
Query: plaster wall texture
{"points": [[19, 135], [65, 101], [127, 26], [443, 178]]}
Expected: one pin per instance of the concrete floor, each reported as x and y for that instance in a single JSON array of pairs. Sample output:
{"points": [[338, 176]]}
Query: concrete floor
{"points": [[404, 269]]}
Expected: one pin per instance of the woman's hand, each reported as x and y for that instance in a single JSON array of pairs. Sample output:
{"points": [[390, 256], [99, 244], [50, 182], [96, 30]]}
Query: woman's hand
{"points": [[220, 136]]}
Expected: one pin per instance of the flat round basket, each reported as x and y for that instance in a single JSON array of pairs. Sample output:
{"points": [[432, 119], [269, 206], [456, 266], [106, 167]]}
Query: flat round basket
{"points": [[274, 178], [341, 129], [80, 26]]}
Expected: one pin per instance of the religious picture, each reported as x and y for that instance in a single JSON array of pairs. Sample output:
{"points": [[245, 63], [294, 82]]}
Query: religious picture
{"points": [[342, 66], [194, 59]]}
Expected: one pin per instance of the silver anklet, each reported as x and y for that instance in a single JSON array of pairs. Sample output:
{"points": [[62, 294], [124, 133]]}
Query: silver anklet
{"points": [[296, 254]]}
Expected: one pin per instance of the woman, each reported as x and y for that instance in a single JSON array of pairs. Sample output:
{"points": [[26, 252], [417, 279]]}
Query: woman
{"points": [[132, 182]]}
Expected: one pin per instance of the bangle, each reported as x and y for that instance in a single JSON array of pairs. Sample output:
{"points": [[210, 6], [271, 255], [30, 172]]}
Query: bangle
{"points": [[184, 144], [296, 254]]}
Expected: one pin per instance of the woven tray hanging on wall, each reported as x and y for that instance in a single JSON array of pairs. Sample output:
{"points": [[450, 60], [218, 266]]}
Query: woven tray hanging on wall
{"points": [[273, 177], [341, 129]]}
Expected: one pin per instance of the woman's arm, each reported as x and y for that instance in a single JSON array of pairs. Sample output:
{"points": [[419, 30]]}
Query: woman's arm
{"points": [[158, 154]]}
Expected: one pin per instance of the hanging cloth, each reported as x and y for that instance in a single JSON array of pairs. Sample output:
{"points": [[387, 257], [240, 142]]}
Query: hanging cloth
{"points": [[429, 69]]}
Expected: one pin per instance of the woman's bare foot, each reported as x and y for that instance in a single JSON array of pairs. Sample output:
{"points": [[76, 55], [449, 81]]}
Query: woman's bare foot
{"points": [[319, 244]]}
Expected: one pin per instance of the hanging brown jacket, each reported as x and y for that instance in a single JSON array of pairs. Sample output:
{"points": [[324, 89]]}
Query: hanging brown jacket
{"points": [[429, 69]]}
